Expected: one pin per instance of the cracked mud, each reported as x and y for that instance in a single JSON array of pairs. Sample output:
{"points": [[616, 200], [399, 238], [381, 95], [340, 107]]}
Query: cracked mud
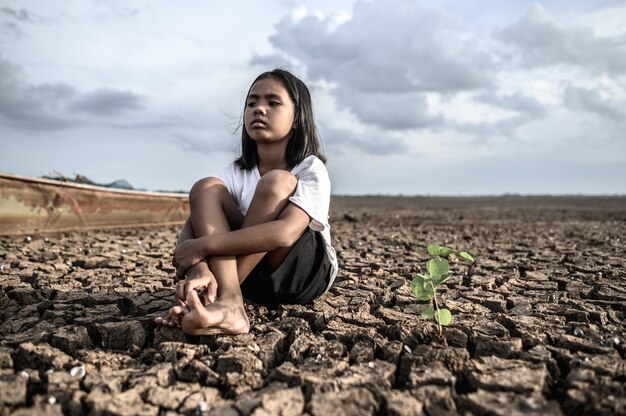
{"points": [[538, 321]]}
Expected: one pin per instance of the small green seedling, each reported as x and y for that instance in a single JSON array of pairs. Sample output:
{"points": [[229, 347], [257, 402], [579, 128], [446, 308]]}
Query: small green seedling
{"points": [[424, 286]]}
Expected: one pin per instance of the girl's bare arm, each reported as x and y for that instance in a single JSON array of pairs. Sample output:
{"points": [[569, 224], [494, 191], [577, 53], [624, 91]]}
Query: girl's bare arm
{"points": [[261, 238]]}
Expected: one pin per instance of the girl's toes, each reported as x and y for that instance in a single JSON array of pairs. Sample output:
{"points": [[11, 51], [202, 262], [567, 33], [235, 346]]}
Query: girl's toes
{"points": [[177, 311], [172, 317]]}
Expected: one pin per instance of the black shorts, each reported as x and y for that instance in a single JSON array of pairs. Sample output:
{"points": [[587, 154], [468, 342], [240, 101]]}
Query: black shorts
{"points": [[301, 278]]}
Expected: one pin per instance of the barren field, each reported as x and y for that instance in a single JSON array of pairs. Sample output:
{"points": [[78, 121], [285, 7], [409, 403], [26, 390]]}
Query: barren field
{"points": [[538, 321]]}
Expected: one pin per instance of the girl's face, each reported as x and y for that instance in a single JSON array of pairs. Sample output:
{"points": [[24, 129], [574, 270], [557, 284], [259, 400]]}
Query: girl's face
{"points": [[269, 114]]}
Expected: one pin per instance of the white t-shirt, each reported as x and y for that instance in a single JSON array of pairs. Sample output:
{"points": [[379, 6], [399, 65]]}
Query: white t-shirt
{"points": [[312, 195]]}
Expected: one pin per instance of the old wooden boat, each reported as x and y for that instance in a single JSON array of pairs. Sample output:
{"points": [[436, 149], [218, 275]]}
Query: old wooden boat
{"points": [[36, 205]]}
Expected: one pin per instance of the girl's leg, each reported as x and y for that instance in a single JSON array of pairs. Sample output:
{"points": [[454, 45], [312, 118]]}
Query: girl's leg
{"points": [[269, 200], [209, 207], [203, 190]]}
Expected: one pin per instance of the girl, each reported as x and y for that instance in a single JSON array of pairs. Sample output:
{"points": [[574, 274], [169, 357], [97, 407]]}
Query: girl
{"points": [[259, 230]]}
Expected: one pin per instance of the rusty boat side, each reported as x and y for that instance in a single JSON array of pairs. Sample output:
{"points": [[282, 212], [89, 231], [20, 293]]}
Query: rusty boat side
{"points": [[36, 205]]}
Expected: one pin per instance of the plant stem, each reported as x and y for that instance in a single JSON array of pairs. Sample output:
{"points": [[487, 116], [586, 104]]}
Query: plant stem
{"points": [[436, 309]]}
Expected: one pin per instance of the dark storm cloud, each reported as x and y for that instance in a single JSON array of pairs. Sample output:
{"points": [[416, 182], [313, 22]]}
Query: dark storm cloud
{"points": [[398, 111], [13, 19], [55, 106], [31, 107], [21, 15], [391, 53], [524, 110], [542, 40], [514, 102], [591, 101], [107, 102], [374, 142], [12, 29], [388, 46]]}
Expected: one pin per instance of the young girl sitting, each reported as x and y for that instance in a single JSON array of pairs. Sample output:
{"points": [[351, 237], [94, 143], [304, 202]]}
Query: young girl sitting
{"points": [[259, 230]]}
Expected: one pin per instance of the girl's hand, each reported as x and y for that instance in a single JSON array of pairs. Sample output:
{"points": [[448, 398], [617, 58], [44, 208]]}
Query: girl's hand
{"points": [[188, 253], [204, 282]]}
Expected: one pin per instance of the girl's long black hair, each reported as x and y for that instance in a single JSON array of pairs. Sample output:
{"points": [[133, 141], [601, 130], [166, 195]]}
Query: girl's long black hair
{"points": [[304, 141]]}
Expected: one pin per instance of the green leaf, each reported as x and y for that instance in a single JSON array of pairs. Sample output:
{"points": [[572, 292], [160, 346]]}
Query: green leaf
{"points": [[439, 279], [428, 312], [421, 287], [434, 250], [438, 267], [465, 256], [444, 316]]}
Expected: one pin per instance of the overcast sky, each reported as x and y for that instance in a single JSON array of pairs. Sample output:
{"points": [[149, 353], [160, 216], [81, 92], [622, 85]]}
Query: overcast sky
{"points": [[449, 97]]}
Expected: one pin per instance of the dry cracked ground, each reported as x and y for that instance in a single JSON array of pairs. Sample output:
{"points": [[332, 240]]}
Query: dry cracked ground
{"points": [[538, 320]]}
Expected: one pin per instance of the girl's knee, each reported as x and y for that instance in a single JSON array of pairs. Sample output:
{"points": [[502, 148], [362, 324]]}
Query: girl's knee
{"points": [[205, 185], [277, 182]]}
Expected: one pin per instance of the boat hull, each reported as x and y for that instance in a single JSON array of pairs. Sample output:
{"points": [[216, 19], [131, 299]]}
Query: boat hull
{"points": [[34, 205]]}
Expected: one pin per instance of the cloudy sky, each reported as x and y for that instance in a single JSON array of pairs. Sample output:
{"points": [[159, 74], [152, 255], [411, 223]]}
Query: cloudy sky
{"points": [[449, 97]]}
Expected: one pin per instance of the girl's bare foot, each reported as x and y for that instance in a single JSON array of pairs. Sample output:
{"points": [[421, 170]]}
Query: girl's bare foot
{"points": [[224, 316], [199, 277]]}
